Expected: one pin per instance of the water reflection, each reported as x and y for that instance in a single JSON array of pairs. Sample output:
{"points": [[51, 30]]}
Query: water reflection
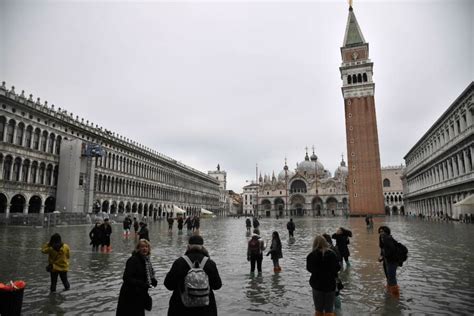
{"points": [[437, 278]]}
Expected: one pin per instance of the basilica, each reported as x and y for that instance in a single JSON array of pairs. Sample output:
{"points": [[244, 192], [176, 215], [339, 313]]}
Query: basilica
{"points": [[308, 190]]}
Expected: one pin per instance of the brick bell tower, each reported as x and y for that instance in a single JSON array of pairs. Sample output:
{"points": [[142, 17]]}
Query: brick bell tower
{"points": [[364, 181]]}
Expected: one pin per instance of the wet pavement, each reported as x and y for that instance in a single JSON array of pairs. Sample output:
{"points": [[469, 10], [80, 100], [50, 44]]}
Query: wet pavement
{"points": [[437, 278]]}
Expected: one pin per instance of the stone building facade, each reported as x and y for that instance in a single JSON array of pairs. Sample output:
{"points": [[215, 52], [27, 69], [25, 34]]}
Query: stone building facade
{"points": [[439, 167], [393, 189], [45, 151], [365, 191], [308, 190]]}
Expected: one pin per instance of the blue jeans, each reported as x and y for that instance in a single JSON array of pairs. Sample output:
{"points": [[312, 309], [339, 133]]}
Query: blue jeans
{"points": [[390, 270]]}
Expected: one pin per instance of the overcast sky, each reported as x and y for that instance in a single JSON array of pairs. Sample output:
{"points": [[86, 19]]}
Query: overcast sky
{"points": [[238, 83]]}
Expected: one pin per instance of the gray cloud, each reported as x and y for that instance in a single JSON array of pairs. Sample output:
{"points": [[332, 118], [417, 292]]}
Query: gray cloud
{"points": [[238, 83]]}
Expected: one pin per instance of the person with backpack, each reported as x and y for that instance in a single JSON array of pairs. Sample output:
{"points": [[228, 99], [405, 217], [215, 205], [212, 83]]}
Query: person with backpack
{"points": [[391, 257], [193, 278], [342, 240], [255, 249], [323, 266], [291, 227], [138, 278], [255, 222]]}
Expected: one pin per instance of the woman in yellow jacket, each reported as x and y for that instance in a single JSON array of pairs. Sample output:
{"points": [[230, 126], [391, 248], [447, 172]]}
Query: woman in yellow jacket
{"points": [[58, 261]]}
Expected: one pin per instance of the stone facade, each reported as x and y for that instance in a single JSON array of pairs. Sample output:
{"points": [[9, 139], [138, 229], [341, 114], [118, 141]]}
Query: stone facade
{"points": [[439, 167], [365, 190], [393, 189], [43, 150], [308, 190], [221, 176]]}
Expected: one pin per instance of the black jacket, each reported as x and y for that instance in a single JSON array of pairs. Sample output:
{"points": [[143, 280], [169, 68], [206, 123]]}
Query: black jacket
{"points": [[95, 235], [342, 240], [387, 248], [174, 281], [134, 289], [323, 269]]}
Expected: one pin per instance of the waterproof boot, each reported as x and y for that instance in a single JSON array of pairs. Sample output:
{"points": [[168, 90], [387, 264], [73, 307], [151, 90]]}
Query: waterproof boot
{"points": [[394, 290], [279, 269], [337, 302], [318, 313], [329, 314], [275, 269]]}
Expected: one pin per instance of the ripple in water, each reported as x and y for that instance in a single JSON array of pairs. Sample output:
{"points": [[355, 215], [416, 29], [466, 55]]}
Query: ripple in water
{"points": [[437, 278]]}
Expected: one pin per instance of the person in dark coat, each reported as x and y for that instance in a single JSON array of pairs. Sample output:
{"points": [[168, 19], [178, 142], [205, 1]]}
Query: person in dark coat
{"points": [[255, 222], [323, 266], [143, 231], [342, 240], [138, 277], [180, 223], [136, 226], [174, 280], [275, 251], [96, 236], [291, 227], [248, 224], [388, 255], [106, 233], [255, 248]]}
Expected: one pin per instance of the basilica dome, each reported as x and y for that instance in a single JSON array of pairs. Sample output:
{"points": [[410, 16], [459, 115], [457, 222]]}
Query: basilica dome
{"points": [[310, 167], [281, 175], [341, 171]]}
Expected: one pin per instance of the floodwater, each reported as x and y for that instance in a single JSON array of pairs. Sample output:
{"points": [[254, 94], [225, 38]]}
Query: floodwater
{"points": [[437, 278]]}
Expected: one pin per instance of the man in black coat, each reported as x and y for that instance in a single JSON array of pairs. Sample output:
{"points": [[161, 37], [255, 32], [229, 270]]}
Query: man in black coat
{"points": [[174, 280]]}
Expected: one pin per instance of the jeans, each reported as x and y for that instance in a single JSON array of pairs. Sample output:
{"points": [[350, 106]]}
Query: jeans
{"points": [[258, 259], [324, 301], [54, 280], [390, 270]]}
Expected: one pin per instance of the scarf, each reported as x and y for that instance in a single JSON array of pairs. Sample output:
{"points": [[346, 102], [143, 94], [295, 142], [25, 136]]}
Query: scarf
{"points": [[150, 273]]}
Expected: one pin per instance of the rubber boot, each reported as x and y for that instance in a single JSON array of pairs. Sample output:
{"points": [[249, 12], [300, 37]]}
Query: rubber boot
{"points": [[329, 314], [394, 290], [318, 313], [279, 269], [275, 269], [337, 302]]}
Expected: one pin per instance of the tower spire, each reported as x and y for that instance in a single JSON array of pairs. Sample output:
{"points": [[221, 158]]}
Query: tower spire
{"points": [[353, 35]]}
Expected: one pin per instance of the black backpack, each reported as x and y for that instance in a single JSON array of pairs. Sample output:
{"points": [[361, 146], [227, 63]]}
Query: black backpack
{"points": [[401, 252]]}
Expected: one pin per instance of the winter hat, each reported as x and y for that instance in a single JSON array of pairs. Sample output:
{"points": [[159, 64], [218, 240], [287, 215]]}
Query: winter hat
{"points": [[196, 240]]}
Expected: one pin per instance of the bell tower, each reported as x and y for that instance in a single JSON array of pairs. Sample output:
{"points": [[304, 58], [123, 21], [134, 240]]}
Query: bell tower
{"points": [[364, 180]]}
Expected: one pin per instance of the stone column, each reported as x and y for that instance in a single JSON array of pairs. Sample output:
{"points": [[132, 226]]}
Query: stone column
{"points": [[42, 208], [1, 168], [469, 118], [7, 211], [25, 208]]}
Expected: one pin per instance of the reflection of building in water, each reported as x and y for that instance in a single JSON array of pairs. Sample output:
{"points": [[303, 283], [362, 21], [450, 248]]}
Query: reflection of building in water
{"points": [[46, 150], [439, 168], [308, 190], [393, 189]]}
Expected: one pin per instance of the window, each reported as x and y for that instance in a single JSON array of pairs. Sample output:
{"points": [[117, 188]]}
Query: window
{"points": [[2, 127], [386, 183], [10, 130], [44, 139], [36, 138], [19, 134], [29, 131]]}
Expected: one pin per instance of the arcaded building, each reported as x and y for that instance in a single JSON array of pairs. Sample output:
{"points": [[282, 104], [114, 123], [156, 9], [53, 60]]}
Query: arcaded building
{"points": [[358, 88], [393, 189], [439, 167], [51, 160]]}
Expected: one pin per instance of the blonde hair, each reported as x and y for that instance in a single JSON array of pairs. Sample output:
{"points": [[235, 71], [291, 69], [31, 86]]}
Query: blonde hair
{"points": [[137, 247], [320, 243]]}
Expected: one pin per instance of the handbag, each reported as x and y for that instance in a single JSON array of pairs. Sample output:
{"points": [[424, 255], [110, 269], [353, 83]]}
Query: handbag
{"points": [[49, 268], [148, 302]]}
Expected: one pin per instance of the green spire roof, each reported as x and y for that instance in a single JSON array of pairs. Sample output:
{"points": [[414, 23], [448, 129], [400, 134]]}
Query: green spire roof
{"points": [[353, 34]]}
